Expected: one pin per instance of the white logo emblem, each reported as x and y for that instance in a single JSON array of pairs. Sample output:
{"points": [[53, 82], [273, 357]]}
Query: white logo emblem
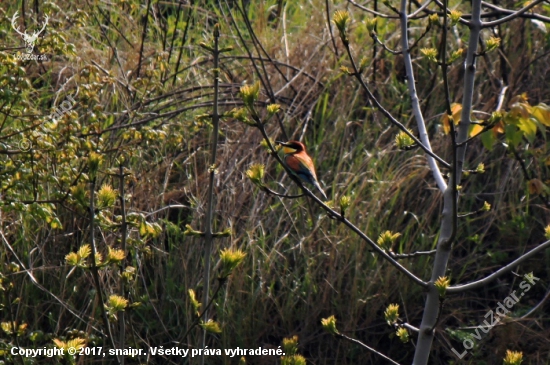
{"points": [[30, 40]]}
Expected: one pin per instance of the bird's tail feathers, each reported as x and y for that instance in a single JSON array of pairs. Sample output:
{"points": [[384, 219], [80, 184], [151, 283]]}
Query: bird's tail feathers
{"points": [[316, 184]]}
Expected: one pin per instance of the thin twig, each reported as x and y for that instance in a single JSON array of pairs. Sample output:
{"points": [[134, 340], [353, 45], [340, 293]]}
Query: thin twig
{"points": [[327, 8], [208, 236], [521, 163], [539, 305], [184, 38], [268, 190], [124, 229], [95, 270], [381, 15], [178, 16], [377, 40], [357, 342], [12, 322], [440, 309], [143, 35], [399, 256]]}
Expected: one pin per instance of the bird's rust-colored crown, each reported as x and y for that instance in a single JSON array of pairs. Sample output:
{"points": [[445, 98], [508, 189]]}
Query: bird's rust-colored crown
{"points": [[292, 146]]}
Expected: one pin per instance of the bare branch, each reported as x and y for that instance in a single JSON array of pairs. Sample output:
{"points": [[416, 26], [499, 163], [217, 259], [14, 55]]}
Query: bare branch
{"points": [[420, 123], [511, 16], [504, 270], [507, 11]]}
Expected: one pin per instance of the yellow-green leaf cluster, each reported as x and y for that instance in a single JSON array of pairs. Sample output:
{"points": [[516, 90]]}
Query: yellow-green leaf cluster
{"points": [[290, 345], [492, 43], [391, 314], [80, 194], [115, 304], [403, 334], [11, 328], [429, 53], [455, 55], [256, 174], [75, 343], [387, 239], [403, 140], [106, 196], [129, 273], [293, 360], [147, 229], [194, 302], [94, 162], [442, 284], [345, 202], [115, 255], [513, 357], [454, 16], [230, 259], [329, 325], [250, 93], [480, 169], [79, 257], [211, 326], [241, 115], [371, 25], [341, 19], [273, 109], [434, 19]]}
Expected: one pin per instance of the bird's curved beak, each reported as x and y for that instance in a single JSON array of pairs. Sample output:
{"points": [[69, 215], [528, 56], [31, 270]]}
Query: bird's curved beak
{"points": [[281, 143]]}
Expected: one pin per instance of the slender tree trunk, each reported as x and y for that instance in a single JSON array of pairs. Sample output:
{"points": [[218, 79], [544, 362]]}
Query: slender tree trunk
{"points": [[431, 310]]}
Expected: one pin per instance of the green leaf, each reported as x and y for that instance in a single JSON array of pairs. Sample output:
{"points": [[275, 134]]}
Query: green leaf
{"points": [[488, 139], [529, 128], [541, 113], [143, 229], [513, 135]]}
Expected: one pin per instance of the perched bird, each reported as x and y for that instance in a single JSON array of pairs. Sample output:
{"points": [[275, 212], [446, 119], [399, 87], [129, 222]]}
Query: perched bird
{"points": [[299, 162]]}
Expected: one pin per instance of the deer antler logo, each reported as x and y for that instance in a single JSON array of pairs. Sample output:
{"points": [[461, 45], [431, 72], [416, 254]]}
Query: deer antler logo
{"points": [[28, 39]]}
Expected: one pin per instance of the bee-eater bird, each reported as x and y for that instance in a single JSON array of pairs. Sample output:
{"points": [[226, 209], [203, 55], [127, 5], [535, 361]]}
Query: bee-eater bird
{"points": [[298, 161]]}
